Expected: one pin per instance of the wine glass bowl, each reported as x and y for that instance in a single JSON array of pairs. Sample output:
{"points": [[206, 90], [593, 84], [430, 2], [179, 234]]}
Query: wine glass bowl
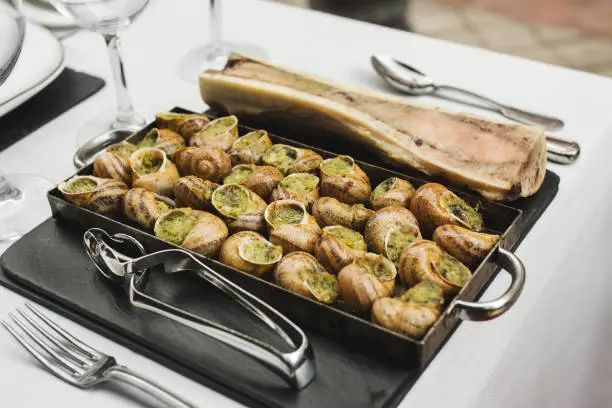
{"points": [[102, 16]]}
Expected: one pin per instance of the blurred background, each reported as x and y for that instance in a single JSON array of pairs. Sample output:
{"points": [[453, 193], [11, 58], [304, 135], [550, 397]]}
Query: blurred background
{"points": [[570, 33]]}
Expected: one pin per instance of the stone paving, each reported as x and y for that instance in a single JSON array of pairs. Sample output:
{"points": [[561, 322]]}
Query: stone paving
{"points": [[551, 44]]}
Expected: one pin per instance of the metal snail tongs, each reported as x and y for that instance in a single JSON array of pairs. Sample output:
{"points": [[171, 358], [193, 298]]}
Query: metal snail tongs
{"points": [[411, 81], [296, 367]]}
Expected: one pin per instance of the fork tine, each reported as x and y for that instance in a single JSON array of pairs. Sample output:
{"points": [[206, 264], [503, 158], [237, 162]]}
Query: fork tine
{"points": [[45, 332], [66, 363], [54, 368], [78, 344]]}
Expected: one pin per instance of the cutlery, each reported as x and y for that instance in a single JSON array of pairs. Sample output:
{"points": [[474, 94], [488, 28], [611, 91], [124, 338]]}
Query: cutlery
{"points": [[414, 82], [295, 367], [75, 362]]}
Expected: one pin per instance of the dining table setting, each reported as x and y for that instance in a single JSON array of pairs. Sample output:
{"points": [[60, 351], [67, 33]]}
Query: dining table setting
{"points": [[246, 203]]}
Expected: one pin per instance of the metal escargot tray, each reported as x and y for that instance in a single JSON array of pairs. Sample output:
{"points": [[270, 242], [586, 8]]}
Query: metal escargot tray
{"points": [[352, 331]]}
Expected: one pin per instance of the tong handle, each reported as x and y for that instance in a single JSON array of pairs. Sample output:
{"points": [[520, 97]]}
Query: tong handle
{"points": [[296, 368]]}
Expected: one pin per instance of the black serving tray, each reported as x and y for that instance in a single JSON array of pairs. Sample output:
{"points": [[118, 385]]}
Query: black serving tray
{"points": [[358, 364]]}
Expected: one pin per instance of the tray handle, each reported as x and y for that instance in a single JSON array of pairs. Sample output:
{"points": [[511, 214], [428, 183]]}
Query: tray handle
{"points": [[481, 311]]}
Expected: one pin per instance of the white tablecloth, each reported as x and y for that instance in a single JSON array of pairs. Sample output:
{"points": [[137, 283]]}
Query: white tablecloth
{"points": [[550, 350]]}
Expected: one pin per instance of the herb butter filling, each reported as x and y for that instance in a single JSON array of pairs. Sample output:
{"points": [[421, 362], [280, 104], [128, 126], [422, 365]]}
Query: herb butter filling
{"points": [[150, 139], [218, 127], [280, 156], [123, 150], [338, 166], [300, 183], [383, 188], [81, 185], [231, 200], [174, 226], [376, 267], [286, 214], [260, 252], [323, 286], [453, 271], [462, 210], [149, 161], [424, 293], [239, 174], [397, 240], [351, 238], [252, 142]]}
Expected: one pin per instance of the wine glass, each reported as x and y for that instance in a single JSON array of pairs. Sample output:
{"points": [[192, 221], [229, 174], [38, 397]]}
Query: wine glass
{"points": [[109, 18], [23, 202], [214, 54]]}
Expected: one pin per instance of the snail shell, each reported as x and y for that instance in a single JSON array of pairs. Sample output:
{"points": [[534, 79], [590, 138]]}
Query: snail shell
{"points": [[409, 319], [186, 125], [392, 191], [250, 252], [164, 139], [301, 273], [209, 163], [79, 189], [113, 166], [467, 246], [196, 230], [250, 148], [344, 180], [193, 192], [302, 187], [240, 208], [435, 205], [221, 132], [289, 159], [338, 247], [387, 227], [262, 180], [151, 169], [290, 226], [108, 197], [145, 207], [329, 211], [426, 261], [369, 277]]}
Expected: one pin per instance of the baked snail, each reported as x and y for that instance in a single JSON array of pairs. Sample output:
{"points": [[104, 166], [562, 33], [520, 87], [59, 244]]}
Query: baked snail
{"points": [[301, 273], [114, 162], [390, 230], [163, 139], [303, 187], [221, 132], [186, 125], [369, 277], [262, 180], [338, 247], [194, 192], [392, 191], [152, 170], [240, 208], [466, 245], [290, 226], [250, 252], [145, 207], [196, 230], [103, 196], [289, 159], [435, 205], [329, 211], [79, 189], [209, 163], [250, 148], [344, 180], [426, 261]]}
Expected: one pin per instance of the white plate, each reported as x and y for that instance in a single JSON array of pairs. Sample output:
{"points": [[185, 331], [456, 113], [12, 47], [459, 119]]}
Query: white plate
{"points": [[40, 62]]}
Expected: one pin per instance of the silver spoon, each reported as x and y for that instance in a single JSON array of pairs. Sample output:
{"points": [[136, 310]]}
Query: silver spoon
{"points": [[414, 82]]}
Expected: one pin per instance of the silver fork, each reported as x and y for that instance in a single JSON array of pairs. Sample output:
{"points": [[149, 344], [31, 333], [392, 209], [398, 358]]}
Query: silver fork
{"points": [[74, 361]]}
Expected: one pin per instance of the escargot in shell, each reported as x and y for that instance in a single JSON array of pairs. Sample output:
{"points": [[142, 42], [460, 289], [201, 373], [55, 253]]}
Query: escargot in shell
{"points": [[79, 189], [262, 180], [369, 277], [466, 245], [301, 273], [250, 252], [250, 148], [194, 192], [240, 208], [199, 231], [104, 196], [298, 186], [392, 191], [151, 169], [290, 226], [435, 205], [289, 159], [344, 180], [185, 124], [338, 247], [144, 207], [114, 162], [163, 139], [209, 162], [329, 211], [390, 230], [426, 261], [221, 132]]}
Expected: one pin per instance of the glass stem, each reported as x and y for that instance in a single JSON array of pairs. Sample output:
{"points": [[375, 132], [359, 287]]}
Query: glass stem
{"points": [[125, 108], [8, 192], [215, 22]]}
